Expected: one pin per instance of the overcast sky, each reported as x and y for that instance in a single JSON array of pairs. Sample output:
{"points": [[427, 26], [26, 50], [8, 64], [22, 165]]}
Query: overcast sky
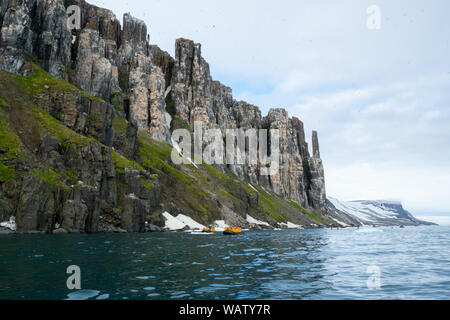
{"points": [[380, 99]]}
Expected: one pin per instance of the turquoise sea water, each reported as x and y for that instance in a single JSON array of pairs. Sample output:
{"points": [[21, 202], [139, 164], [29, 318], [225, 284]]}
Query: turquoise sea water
{"points": [[413, 263]]}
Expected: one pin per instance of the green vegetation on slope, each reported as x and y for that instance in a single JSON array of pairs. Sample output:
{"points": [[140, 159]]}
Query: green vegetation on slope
{"points": [[52, 176], [65, 136], [271, 206], [120, 126], [310, 213], [179, 189], [121, 163], [30, 124], [41, 80], [3, 102], [196, 191], [10, 147]]}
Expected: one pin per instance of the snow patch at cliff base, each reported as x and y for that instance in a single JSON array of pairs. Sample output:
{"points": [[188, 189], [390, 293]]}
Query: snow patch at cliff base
{"points": [[343, 224], [220, 225], [290, 225], [191, 223], [11, 224], [252, 220], [172, 223], [181, 222]]}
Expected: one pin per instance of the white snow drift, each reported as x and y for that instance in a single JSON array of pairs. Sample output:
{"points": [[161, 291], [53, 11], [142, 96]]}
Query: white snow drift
{"points": [[290, 225], [252, 220], [181, 222], [191, 223], [11, 224]]}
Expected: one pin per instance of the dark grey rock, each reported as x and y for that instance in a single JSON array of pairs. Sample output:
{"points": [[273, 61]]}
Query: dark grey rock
{"points": [[6, 231], [156, 94], [73, 216], [37, 28], [153, 228]]}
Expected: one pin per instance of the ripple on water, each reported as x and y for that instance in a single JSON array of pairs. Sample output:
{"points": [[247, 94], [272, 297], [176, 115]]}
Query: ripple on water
{"points": [[82, 294], [179, 295], [145, 277], [308, 264], [153, 294], [149, 288]]}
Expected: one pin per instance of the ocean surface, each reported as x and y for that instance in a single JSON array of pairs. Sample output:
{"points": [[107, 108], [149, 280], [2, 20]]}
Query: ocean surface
{"points": [[365, 263]]}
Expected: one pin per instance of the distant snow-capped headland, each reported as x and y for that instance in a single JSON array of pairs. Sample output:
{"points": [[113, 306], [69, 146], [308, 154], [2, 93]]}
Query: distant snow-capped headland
{"points": [[382, 213]]}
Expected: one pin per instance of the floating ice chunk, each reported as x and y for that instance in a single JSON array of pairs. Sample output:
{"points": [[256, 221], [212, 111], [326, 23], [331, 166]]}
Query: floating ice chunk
{"points": [[83, 294]]}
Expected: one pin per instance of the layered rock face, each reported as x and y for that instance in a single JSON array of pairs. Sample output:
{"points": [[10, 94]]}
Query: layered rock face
{"points": [[317, 184], [95, 74], [129, 79], [34, 28], [104, 198], [196, 97]]}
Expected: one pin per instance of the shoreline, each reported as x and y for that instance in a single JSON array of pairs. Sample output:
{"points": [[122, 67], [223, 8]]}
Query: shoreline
{"points": [[6, 232]]}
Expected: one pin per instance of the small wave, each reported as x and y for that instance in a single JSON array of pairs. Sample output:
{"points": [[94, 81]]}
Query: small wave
{"points": [[149, 288], [153, 294], [83, 294], [145, 277], [206, 245], [179, 295], [368, 230], [200, 232]]}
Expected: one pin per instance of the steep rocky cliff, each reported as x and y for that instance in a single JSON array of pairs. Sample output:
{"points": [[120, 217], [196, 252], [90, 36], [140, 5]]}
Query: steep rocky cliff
{"points": [[86, 121]]}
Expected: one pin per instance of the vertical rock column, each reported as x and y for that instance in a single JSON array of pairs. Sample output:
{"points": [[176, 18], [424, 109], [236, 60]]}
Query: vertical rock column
{"points": [[317, 194], [288, 182], [192, 85], [94, 73], [147, 98]]}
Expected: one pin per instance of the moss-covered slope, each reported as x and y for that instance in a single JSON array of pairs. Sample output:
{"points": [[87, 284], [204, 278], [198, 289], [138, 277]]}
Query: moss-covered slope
{"points": [[67, 159]]}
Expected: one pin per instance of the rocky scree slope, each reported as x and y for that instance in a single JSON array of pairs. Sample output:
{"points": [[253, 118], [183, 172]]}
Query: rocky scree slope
{"points": [[85, 135]]}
